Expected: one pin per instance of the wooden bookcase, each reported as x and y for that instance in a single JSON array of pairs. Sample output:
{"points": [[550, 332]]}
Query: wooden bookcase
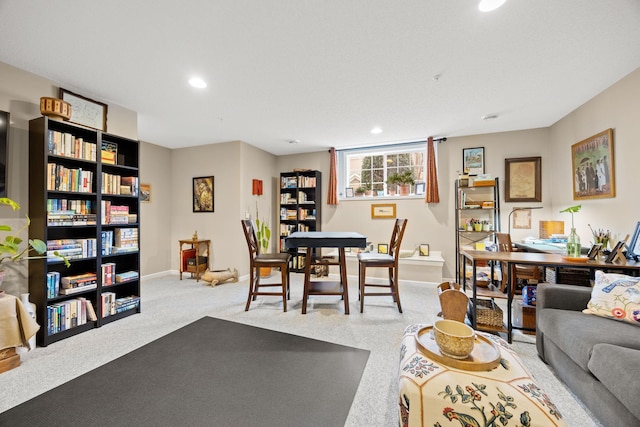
{"points": [[300, 209], [87, 203]]}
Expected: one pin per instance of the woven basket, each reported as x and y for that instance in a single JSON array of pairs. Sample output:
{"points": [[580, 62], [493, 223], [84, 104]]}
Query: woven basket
{"points": [[488, 313]]}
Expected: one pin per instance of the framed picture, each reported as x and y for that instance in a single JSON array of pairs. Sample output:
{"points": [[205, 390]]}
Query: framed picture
{"points": [[522, 218], [145, 193], [383, 210], [420, 186], [203, 194], [593, 252], [383, 248], [348, 192], [633, 251], [523, 178], [473, 161], [85, 111], [423, 249], [592, 167]]}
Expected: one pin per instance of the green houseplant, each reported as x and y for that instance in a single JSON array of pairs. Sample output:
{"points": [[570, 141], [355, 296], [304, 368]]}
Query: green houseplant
{"points": [[13, 248], [263, 234], [404, 181], [573, 240]]}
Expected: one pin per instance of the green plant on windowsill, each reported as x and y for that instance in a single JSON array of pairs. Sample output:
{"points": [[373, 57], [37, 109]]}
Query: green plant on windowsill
{"points": [[12, 246]]}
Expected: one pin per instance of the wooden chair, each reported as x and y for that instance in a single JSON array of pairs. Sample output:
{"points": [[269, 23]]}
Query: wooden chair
{"points": [[453, 301], [258, 260], [518, 272], [389, 261]]}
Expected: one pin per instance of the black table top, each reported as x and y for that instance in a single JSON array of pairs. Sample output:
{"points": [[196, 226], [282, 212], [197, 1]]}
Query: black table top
{"points": [[325, 239]]}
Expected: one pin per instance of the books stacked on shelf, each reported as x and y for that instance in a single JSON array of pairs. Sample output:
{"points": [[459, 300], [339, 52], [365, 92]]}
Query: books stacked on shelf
{"points": [[303, 227], [125, 240], [288, 182], [77, 206], [288, 213], [287, 229], [53, 284], [127, 276], [68, 314], [108, 273], [71, 249], [78, 283], [287, 199], [108, 301], [306, 181], [114, 214], [61, 178], [306, 214], [109, 152], [119, 185], [67, 218], [127, 303], [298, 262], [107, 242], [65, 144]]}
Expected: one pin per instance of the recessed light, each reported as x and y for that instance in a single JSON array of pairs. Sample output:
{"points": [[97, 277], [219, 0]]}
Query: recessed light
{"points": [[489, 5], [376, 130], [294, 141], [197, 82], [489, 116]]}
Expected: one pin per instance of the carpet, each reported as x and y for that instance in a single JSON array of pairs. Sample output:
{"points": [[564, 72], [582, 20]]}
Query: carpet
{"points": [[211, 372]]}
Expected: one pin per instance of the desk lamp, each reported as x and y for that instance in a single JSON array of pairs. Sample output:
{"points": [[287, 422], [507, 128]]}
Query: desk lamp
{"points": [[520, 209]]}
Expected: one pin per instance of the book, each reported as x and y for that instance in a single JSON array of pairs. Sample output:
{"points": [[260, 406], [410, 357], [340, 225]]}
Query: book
{"points": [[91, 313], [70, 291]]}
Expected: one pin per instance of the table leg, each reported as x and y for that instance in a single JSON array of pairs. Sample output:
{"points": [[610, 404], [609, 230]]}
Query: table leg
{"points": [[307, 280], [509, 300], [343, 279]]}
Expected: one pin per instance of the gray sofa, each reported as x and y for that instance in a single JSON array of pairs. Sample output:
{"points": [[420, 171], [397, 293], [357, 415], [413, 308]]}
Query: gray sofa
{"points": [[597, 358]]}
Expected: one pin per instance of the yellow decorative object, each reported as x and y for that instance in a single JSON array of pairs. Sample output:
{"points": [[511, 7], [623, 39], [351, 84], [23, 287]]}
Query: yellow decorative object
{"points": [[55, 108]]}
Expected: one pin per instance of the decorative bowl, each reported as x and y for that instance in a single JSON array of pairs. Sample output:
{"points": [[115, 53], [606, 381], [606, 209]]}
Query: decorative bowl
{"points": [[55, 108], [455, 339]]}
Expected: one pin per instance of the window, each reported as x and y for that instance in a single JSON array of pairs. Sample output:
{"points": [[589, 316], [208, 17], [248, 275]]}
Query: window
{"points": [[368, 169]]}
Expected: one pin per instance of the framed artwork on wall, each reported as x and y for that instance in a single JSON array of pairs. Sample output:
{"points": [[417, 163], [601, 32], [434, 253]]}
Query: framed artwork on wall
{"points": [[424, 249], [473, 160], [85, 111], [383, 210], [145, 193], [523, 177], [592, 167], [203, 194]]}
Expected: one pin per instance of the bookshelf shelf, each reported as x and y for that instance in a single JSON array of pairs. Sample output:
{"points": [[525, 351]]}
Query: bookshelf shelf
{"points": [[300, 207], [69, 209]]}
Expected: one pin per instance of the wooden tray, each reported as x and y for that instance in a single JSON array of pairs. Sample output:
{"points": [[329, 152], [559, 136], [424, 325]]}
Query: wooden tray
{"points": [[484, 357], [580, 259]]}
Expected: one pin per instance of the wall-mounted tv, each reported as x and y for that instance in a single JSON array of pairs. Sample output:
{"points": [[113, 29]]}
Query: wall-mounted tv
{"points": [[4, 142]]}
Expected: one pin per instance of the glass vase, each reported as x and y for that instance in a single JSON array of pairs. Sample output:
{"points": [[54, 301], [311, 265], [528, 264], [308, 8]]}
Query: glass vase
{"points": [[573, 244]]}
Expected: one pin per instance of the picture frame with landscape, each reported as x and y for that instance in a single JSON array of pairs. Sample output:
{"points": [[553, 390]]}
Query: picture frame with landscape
{"points": [[523, 178], [473, 160]]}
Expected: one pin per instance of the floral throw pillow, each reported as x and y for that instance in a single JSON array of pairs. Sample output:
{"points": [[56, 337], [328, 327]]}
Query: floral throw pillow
{"points": [[615, 296]]}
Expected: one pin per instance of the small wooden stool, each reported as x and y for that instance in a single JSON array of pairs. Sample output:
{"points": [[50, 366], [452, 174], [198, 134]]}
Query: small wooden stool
{"points": [[453, 301]]}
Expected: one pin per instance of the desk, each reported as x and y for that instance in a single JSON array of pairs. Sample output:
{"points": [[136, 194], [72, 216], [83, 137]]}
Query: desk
{"points": [[542, 259], [325, 239], [194, 251]]}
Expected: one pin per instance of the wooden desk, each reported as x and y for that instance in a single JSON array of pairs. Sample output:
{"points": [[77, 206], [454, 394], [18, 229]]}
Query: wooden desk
{"points": [[325, 239], [542, 259], [186, 252]]}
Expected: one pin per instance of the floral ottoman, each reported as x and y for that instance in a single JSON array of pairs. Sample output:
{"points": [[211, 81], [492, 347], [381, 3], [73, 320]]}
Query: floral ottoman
{"points": [[431, 393]]}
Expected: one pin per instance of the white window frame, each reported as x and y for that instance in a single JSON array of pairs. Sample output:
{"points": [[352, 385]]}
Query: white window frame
{"points": [[386, 150]]}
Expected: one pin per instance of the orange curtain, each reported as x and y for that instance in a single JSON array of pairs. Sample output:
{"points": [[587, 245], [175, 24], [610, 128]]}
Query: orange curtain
{"points": [[332, 196], [433, 196]]}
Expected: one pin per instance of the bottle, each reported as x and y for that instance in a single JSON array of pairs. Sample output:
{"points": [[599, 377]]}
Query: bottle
{"points": [[573, 244]]}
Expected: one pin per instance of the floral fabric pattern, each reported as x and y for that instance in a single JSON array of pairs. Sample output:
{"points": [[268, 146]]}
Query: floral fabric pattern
{"points": [[615, 296]]}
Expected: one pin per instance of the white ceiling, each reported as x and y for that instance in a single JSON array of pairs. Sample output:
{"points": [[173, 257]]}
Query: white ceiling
{"points": [[326, 72]]}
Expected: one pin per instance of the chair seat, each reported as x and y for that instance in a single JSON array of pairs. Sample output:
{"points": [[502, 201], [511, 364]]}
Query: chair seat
{"points": [[277, 257], [374, 257]]}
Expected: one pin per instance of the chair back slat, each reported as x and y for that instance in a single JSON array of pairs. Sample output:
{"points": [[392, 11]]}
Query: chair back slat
{"points": [[252, 239], [504, 242], [396, 237]]}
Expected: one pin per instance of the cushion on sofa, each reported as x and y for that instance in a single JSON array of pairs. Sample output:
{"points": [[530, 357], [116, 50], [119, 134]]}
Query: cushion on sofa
{"points": [[577, 333], [616, 368], [615, 296]]}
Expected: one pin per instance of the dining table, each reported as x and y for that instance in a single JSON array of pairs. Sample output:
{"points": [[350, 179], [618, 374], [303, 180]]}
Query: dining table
{"points": [[311, 240]]}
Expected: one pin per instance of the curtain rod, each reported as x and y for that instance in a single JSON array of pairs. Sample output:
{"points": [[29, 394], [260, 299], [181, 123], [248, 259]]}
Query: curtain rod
{"points": [[443, 139]]}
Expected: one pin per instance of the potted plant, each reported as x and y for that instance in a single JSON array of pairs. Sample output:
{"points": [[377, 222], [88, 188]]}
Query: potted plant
{"points": [[12, 246], [404, 181], [368, 190], [573, 240], [392, 181], [360, 191], [263, 234]]}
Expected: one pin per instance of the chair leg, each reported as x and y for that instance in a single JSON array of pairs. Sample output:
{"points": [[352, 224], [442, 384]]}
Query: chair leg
{"points": [[396, 290], [285, 288], [252, 288], [361, 279]]}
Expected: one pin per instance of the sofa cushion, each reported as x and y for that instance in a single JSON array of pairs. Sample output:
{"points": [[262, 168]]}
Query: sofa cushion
{"points": [[615, 296], [616, 367], [577, 333]]}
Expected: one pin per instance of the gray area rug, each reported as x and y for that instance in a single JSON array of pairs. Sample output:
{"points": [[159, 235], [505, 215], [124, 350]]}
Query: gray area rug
{"points": [[211, 372]]}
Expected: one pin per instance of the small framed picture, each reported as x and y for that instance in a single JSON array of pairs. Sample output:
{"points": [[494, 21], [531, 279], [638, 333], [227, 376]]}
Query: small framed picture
{"points": [[387, 210], [348, 192], [423, 249], [203, 194], [383, 248], [145, 193], [593, 252], [473, 160], [420, 186]]}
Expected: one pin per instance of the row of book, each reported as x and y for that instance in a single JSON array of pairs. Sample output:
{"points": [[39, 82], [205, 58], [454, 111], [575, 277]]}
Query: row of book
{"points": [[61, 178], [288, 213], [116, 214], [120, 185], [287, 199], [65, 218], [66, 144], [306, 213], [68, 285], [69, 314], [71, 249], [112, 305], [77, 206], [120, 240]]}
